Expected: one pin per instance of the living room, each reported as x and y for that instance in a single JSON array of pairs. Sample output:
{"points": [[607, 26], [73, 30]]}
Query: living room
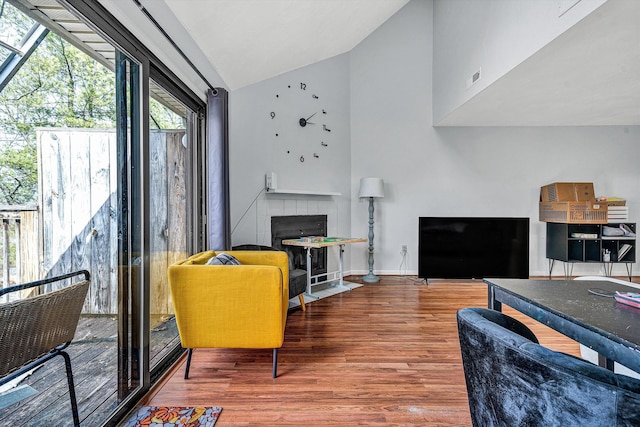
{"points": [[453, 104], [450, 149], [384, 99], [396, 113]]}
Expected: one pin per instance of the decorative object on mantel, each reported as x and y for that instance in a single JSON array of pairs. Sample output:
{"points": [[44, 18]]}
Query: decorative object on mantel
{"points": [[371, 188]]}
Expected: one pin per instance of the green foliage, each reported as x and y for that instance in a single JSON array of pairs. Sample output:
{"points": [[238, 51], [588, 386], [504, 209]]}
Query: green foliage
{"points": [[164, 118], [59, 86], [18, 174]]}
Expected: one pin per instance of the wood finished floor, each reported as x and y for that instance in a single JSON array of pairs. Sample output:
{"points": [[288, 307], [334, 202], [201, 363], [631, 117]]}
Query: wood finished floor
{"points": [[383, 354]]}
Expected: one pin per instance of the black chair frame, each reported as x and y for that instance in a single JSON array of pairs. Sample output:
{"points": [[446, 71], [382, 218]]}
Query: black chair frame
{"points": [[58, 341]]}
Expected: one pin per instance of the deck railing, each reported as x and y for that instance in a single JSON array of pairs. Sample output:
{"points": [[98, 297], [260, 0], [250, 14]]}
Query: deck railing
{"points": [[18, 243]]}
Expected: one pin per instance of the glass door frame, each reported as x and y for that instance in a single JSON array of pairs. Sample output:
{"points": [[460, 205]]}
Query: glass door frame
{"points": [[133, 148], [137, 305]]}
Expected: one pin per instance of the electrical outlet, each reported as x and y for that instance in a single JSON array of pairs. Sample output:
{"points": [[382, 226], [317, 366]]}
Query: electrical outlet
{"points": [[404, 249]]}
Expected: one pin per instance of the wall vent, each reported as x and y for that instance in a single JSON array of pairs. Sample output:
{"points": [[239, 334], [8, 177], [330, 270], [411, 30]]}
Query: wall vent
{"points": [[474, 78]]}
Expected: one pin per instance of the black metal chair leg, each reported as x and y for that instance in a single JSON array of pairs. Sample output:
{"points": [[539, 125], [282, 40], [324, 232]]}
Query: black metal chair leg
{"points": [[72, 390], [186, 371], [275, 362]]}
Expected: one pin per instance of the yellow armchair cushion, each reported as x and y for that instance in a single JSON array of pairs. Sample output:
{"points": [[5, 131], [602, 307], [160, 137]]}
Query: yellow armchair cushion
{"points": [[232, 306]]}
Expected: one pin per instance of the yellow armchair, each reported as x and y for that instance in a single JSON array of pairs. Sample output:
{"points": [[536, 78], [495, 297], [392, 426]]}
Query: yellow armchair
{"points": [[231, 306]]}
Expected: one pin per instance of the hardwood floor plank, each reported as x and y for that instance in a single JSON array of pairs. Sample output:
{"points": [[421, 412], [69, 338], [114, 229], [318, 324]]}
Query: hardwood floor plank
{"points": [[382, 354]]}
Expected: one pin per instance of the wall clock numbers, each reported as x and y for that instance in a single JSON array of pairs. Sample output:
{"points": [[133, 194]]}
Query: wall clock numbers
{"points": [[300, 123]]}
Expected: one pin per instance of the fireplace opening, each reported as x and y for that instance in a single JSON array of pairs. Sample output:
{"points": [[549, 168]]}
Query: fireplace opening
{"points": [[294, 227]]}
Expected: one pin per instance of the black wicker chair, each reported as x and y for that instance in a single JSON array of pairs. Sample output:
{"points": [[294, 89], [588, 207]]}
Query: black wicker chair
{"points": [[37, 329]]}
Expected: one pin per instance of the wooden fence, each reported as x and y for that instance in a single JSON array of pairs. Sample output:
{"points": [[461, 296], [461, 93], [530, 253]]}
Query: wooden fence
{"points": [[76, 224], [18, 224]]}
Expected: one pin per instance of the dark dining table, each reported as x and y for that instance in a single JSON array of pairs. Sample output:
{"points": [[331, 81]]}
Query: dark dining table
{"points": [[579, 309]]}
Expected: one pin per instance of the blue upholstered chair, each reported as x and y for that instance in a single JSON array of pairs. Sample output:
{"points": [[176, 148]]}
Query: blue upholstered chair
{"points": [[514, 381]]}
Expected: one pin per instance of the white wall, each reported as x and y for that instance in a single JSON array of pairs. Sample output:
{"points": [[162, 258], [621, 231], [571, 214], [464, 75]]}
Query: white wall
{"points": [[460, 171], [390, 122], [255, 150], [493, 36]]}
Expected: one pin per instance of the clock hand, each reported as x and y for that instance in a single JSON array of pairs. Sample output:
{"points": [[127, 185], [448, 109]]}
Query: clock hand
{"points": [[303, 122]]}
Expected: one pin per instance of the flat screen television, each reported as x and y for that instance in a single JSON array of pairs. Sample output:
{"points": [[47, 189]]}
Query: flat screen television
{"points": [[473, 248]]}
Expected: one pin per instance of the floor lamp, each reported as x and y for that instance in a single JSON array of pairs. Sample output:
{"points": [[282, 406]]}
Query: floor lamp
{"points": [[371, 188]]}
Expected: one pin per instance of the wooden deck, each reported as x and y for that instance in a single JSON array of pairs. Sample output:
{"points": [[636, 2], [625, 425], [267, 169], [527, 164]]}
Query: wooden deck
{"points": [[382, 354], [94, 361]]}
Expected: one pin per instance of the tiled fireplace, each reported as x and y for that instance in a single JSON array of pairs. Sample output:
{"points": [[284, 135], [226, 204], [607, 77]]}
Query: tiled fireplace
{"points": [[274, 206], [296, 226]]}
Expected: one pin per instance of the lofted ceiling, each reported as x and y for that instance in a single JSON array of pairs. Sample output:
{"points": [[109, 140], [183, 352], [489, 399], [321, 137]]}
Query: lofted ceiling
{"points": [[589, 75], [251, 40]]}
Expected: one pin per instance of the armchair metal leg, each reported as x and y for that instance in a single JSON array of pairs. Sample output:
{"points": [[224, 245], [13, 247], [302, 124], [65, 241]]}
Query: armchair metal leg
{"points": [[301, 298], [186, 371], [275, 362], [72, 390]]}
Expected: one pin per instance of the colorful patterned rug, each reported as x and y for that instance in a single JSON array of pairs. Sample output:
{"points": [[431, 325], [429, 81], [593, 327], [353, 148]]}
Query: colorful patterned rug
{"points": [[174, 416]]}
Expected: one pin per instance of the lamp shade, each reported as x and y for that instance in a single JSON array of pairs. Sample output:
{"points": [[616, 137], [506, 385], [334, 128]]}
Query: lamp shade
{"points": [[371, 187]]}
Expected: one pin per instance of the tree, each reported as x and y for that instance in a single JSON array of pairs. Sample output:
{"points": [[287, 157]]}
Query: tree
{"points": [[59, 86], [18, 174]]}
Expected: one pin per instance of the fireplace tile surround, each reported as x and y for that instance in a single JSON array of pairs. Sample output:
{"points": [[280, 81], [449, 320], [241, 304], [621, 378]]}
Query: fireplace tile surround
{"points": [[288, 205], [294, 226]]}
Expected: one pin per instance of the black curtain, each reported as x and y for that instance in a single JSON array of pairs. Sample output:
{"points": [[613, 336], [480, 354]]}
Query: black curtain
{"points": [[218, 212]]}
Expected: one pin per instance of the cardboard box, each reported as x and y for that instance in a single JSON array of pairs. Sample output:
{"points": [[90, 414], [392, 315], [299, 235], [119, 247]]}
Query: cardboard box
{"points": [[567, 192], [577, 212]]}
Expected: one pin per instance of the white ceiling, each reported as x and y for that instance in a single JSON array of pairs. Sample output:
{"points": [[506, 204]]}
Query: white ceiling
{"points": [[248, 41], [589, 75]]}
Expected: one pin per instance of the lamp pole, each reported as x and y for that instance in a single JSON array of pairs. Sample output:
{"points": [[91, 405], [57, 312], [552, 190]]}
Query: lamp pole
{"points": [[370, 278]]}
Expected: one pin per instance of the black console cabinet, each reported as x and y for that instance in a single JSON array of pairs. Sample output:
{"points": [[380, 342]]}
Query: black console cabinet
{"points": [[571, 243]]}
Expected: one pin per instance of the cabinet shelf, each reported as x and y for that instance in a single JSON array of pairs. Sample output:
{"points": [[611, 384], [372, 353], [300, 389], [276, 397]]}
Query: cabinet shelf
{"points": [[563, 246]]}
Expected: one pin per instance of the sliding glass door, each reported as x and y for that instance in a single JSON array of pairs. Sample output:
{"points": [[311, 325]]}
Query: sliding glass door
{"points": [[170, 154], [112, 142]]}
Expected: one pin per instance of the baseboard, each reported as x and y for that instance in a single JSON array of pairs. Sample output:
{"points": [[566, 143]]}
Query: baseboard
{"points": [[383, 273]]}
